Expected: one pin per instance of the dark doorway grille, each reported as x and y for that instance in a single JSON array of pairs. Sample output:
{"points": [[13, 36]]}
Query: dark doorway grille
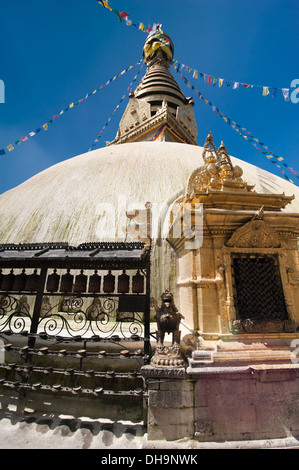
{"points": [[259, 295]]}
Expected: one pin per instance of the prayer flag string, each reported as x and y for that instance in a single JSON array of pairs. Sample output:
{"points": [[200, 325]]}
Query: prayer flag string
{"points": [[232, 84], [114, 111], [243, 132], [127, 18], [72, 105], [209, 79]]}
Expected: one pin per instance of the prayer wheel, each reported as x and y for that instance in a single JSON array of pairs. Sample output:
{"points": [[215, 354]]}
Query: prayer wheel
{"points": [[138, 283], [67, 282], [109, 282], [32, 281], [19, 281], [80, 282], [8, 281], [94, 283], [53, 282], [123, 286]]}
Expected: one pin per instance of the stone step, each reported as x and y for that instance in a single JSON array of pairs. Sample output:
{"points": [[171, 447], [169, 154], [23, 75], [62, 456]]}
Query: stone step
{"points": [[214, 357]]}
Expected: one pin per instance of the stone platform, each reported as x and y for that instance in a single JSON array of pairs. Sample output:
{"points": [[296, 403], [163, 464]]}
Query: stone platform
{"points": [[231, 392]]}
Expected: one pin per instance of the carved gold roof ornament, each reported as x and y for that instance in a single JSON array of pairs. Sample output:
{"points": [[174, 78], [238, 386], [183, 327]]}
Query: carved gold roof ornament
{"points": [[217, 173], [255, 234]]}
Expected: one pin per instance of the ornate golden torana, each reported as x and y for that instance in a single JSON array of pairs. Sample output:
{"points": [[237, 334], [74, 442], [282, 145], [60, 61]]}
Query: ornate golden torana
{"points": [[238, 225]]}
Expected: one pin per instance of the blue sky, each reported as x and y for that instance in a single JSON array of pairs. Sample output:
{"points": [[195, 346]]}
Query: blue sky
{"points": [[54, 52]]}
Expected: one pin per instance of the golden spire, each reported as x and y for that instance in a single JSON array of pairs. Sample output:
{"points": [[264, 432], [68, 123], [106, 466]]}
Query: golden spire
{"points": [[158, 109]]}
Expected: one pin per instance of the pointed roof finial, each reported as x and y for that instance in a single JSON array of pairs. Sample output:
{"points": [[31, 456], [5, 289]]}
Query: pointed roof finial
{"points": [[222, 147], [209, 140], [158, 46]]}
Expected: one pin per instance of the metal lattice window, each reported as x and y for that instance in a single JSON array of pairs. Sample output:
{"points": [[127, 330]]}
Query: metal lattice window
{"points": [[258, 289]]}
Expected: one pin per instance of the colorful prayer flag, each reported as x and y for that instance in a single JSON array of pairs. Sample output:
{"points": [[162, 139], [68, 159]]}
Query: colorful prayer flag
{"points": [[154, 28], [106, 4], [141, 26], [119, 18]]}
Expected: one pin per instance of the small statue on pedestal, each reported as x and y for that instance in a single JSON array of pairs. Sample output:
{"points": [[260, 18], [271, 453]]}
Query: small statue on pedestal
{"points": [[168, 321]]}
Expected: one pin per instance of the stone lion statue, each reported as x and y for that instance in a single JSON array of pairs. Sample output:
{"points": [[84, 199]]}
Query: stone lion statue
{"points": [[168, 320]]}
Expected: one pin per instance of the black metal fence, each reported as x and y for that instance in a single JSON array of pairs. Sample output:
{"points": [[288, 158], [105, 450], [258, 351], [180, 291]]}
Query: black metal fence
{"points": [[65, 310]]}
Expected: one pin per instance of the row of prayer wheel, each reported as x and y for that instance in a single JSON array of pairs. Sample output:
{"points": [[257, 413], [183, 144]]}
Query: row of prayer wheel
{"points": [[69, 283], [19, 282]]}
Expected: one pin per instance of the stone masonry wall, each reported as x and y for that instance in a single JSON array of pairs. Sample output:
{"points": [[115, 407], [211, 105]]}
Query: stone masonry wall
{"points": [[247, 403]]}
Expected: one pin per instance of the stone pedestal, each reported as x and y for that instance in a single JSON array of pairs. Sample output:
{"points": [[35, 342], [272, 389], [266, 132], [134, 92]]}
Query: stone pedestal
{"points": [[168, 357], [224, 396], [170, 403]]}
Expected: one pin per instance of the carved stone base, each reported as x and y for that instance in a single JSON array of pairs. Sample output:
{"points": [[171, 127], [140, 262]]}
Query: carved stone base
{"points": [[168, 357], [161, 372]]}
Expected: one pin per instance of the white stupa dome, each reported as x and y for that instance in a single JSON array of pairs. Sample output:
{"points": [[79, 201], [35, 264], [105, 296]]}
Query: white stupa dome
{"points": [[84, 199]]}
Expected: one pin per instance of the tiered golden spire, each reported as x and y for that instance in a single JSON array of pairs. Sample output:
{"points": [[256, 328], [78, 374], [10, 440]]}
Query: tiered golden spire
{"points": [[217, 173], [158, 105]]}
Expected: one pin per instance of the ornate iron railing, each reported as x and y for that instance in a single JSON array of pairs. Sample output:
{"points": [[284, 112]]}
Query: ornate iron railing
{"points": [[62, 293], [93, 295]]}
